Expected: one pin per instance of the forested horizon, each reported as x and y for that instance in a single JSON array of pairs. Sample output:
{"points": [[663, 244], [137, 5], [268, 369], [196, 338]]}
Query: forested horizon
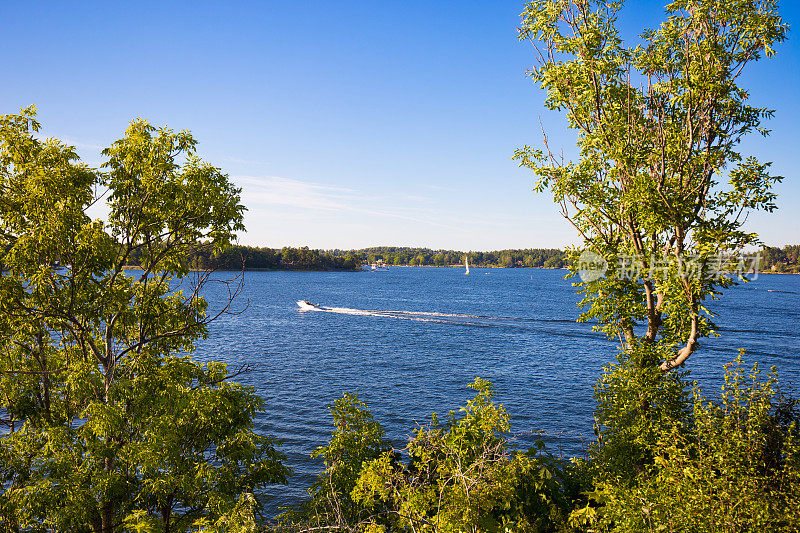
{"points": [[304, 258], [775, 259]]}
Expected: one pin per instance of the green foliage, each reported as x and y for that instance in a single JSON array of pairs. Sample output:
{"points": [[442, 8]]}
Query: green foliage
{"points": [[357, 439], [659, 194], [659, 186], [108, 421], [636, 402], [737, 468], [786, 259], [462, 476], [664, 461]]}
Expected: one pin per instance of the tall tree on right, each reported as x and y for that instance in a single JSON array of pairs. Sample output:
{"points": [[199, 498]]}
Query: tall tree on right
{"points": [[660, 190]]}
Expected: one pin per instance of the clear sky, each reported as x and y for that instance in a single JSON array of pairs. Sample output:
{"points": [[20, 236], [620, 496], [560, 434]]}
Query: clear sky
{"points": [[347, 124]]}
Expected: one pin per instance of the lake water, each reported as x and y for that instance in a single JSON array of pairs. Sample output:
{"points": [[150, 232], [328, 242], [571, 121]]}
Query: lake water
{"points": [[408, 340]]}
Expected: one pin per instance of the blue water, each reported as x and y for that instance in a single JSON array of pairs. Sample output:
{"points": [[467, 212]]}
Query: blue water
{"points": [[408, 340]]}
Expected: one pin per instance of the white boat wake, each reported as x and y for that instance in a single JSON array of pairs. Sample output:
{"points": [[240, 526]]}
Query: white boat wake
{"points": [[418, 316], [554, 326]]}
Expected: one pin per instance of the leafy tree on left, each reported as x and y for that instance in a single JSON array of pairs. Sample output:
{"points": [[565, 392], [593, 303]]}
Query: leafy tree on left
{"points": [[109, 423]]}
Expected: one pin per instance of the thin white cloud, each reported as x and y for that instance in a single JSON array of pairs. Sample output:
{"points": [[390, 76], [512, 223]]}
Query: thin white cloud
{"points": [[82, 145], [273, 190], [289, 211], [70, 141], [241, 161], [287, 192], [438, 187], [416, 198]]}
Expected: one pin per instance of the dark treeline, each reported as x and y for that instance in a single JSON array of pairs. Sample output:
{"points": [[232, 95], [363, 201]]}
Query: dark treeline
{"points": [[784, 259], [773, 259], [239, 257], [287, 258], [391, 255]]}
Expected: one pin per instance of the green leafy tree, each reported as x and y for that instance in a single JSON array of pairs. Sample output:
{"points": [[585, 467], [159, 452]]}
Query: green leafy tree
{"points": [[659, 190], [109, 421], [780, 260], [553, 262]]}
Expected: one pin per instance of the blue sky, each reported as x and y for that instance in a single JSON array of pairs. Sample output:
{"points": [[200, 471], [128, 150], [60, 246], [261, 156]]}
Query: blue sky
{"points": [[347, 124]]}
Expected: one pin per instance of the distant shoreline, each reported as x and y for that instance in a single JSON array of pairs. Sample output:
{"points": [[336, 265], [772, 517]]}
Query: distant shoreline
{"points": [[257, 269], [254, 269], [238, 257]]}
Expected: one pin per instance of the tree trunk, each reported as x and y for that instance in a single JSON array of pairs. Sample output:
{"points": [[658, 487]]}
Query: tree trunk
{"points": [[107, 507], [107, 518], [691, 344]]}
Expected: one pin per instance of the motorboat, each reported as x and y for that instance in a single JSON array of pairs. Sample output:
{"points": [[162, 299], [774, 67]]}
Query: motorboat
{"points": [[305, 305]]}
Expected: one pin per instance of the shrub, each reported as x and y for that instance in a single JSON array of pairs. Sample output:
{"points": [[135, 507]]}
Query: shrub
{"points": [[636, 403], [356, 438], [464, 476], [736, 469]]}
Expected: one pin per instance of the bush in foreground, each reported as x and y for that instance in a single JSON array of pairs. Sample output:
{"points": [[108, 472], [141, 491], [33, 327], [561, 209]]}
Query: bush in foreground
{"points": [[462, 475], [735, 466], [665, 460]]}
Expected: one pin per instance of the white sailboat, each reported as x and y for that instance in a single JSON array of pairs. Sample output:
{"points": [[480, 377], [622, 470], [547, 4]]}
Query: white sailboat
{"points": [[466, 264]]}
